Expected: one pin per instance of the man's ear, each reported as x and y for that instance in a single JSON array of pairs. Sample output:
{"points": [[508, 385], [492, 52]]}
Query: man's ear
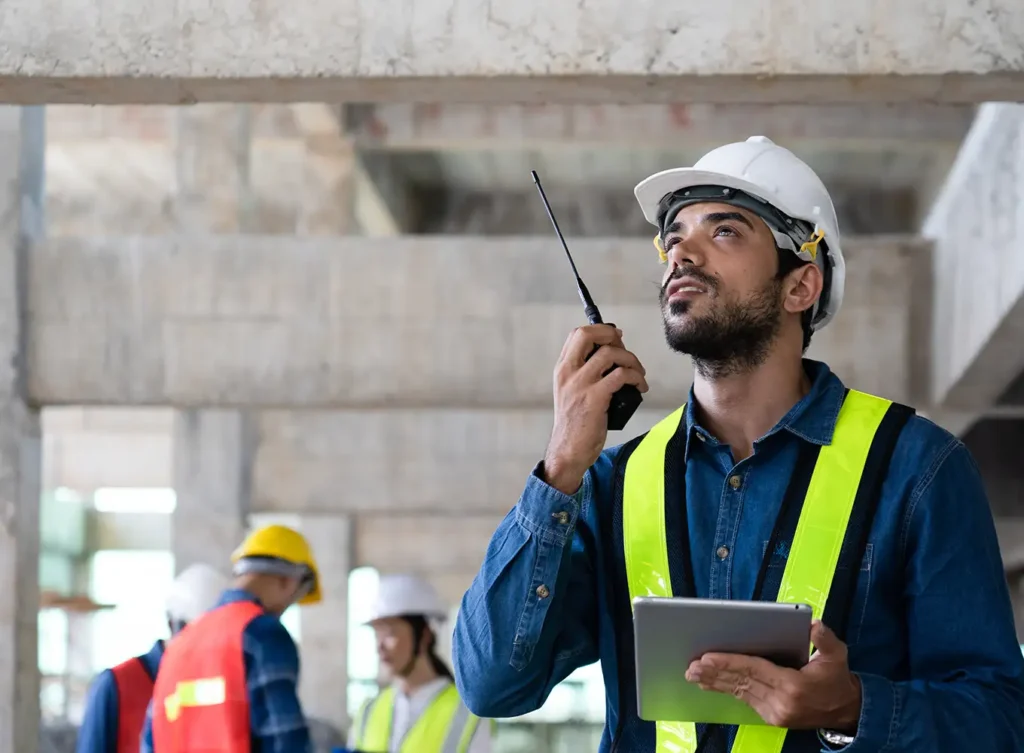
{"points": [[802, 288]]}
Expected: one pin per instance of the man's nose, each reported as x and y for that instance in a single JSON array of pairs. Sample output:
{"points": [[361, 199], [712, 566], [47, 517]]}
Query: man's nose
{"points": [[685, 253]]}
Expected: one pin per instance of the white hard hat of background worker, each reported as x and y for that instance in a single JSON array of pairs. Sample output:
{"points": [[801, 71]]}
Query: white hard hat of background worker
{"points": [[772, 183], [197, 589], [405, 609]]}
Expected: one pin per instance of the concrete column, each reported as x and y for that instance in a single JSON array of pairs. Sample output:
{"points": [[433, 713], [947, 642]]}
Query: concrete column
{"points": [[324, 684], [21, 220], [213, 451]]}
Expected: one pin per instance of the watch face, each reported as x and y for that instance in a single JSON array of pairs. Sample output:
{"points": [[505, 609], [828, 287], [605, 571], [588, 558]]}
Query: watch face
{"points": [[837, 738]]}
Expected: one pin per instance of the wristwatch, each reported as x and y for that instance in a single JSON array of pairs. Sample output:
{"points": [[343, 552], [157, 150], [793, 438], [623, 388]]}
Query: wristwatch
{"points": [[836, 738]]}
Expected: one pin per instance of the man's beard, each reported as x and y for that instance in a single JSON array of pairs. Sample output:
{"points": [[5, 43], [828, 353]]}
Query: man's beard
{"points": [[733, 338]]}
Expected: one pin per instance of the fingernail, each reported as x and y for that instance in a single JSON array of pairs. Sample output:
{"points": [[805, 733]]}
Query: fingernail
{"points": [[618, 332]]}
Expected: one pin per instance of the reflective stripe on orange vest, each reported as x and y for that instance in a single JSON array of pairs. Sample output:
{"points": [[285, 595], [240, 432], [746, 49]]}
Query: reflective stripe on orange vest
{"points": [[201, 701], [811, 564], [134, 691]]}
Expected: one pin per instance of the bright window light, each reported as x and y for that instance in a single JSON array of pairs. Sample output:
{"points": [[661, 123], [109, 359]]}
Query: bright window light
{"points": [[125, 499], [363, 664], [64, 494], [136, 584]]}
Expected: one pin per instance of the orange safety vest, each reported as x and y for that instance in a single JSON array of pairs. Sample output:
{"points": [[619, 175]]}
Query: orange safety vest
{"points": [[201, 702], [134, 690]]}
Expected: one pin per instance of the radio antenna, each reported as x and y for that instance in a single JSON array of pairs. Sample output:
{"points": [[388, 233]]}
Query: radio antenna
{"points": [[589, 307]]}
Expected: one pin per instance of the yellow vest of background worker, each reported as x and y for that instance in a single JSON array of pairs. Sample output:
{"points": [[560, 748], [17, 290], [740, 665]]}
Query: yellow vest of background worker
{"points": [[446, 726], [865, 423]]}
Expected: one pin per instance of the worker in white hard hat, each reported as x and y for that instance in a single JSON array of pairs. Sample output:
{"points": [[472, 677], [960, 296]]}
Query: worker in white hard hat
{"points": [[116, 706], [420, 711], [773, 482]]}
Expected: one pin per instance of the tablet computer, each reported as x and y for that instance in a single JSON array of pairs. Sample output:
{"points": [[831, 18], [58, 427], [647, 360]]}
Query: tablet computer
{"points": [[670, 633]]}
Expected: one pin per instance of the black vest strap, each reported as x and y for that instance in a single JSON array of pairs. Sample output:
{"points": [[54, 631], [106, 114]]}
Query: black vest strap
{"points": [[865, 505]]}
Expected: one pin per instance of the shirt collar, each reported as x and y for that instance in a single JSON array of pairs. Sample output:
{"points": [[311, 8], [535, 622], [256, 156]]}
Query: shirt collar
{"points": [[426, 691], [232, 595], [152, 658], [813, 419]]}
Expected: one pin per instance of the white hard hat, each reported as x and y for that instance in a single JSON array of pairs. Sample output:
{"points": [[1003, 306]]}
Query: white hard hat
{"points": [[196, 590], [772, 175], [400, 595]]}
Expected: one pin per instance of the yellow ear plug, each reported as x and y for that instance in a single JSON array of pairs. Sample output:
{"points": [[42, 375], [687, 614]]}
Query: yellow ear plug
{"points": [[661, 251], [811, 246]]}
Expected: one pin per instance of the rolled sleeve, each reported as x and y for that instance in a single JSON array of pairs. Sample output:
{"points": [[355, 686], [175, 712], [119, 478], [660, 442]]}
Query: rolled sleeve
{"points": [[879, 714], [549, 513]]}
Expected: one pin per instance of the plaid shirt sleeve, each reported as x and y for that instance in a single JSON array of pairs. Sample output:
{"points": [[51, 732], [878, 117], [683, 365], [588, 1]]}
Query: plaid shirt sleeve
{"points": [[272, 676]]}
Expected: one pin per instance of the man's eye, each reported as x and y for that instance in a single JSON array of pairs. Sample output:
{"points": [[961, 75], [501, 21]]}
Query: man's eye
{"points": [[670, 243], [724, 230]]}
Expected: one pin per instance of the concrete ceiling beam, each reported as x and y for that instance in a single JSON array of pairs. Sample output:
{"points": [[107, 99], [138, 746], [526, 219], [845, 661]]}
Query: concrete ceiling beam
{"points": [[646, 51]]}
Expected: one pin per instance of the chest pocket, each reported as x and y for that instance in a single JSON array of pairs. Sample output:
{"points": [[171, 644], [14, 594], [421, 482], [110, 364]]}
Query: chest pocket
{"points": [[777, 565]]}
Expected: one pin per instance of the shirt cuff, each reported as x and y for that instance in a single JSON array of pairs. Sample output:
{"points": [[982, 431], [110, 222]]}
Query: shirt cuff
{"points": [[878, 715], [547, 512]]}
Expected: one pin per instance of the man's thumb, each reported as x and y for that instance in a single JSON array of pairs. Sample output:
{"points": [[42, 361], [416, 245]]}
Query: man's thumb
{"points": [[825, 641]]}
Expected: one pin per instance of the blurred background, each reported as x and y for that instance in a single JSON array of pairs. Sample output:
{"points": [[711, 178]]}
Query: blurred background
{"points": [[355, 311]]}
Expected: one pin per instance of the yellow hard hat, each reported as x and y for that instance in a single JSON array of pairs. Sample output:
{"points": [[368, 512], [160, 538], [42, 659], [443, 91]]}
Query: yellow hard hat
{"points": [[285, 544]]}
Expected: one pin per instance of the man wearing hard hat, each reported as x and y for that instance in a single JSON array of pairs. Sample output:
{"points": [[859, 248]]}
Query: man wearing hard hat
{"points": [[116, 706], [420, 712], [229, 681], [774, 482]]}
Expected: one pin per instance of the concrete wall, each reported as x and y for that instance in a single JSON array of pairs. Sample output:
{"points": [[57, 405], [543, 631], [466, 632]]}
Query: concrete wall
{"points": [[977, 224], [218, 168], [259, 322]]}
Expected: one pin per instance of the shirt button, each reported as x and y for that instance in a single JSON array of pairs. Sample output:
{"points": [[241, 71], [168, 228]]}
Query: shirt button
{"points": [[722, 552], [561, 517], [543, 592], [735, 482]]}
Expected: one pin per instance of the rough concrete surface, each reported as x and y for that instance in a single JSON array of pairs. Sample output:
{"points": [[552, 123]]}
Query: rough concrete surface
{"points": [[212, 456], [977, 224], [257, 322], [20, 450], [461, 50], [457, 126]]}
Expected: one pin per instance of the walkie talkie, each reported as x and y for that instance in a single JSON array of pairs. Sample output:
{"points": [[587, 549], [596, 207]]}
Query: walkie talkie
{"points": [[627, 398]]}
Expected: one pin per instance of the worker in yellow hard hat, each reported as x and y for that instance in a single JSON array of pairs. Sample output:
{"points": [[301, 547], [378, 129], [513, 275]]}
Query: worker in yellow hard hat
{"points": [[229, 681]]}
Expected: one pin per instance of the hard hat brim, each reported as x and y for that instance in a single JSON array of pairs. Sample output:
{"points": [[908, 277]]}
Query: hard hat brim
{"points": [[385, 615], [650, 191], [314, 596]]}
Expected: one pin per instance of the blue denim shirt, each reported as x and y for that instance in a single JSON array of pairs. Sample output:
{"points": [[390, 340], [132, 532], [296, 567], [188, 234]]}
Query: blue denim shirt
{"points": [[98, 732], [931, 634], [272, 676]]}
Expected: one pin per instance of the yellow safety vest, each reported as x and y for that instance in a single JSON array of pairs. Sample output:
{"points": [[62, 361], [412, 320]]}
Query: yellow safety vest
{"points": [[446, 726], [837, 480]]}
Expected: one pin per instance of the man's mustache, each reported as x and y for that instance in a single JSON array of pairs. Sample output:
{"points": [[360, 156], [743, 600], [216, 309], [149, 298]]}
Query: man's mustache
{"points": [[692, 272]]}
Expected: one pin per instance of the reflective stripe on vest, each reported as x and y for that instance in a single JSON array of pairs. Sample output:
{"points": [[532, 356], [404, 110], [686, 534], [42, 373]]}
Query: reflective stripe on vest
{"points": [[814, 553], [446, 726], [134, 690], [201, 700]]}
